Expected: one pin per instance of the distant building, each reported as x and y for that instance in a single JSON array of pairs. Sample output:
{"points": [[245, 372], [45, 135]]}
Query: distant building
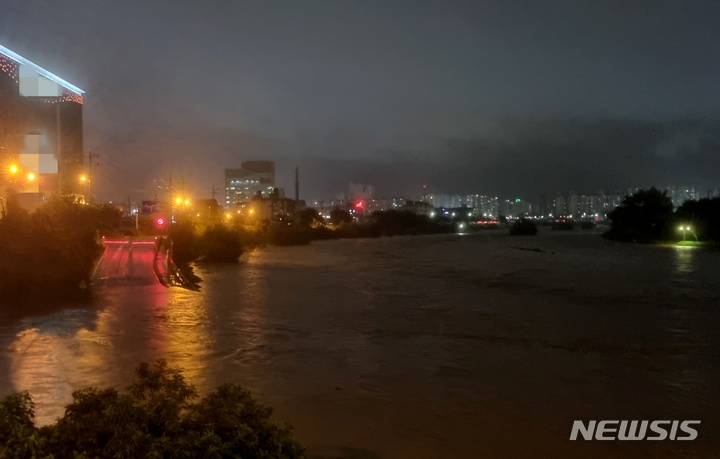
{"points": [[515, 208], [488, 206], [418, 208], [560, 206], [573, 204], [680, 194], [244, 183], [360, 191], [41, 130], [273, 210]]}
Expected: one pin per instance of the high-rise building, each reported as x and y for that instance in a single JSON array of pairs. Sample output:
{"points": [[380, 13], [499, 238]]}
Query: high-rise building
{"points": [[360, 191], [560, 206], [41, 130], [573, 203], [680, 194], [251, 178]]}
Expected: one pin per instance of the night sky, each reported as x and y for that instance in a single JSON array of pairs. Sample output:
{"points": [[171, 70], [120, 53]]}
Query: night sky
{"points": [[496, 97]]}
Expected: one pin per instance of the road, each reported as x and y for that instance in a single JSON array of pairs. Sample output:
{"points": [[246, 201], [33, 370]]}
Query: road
{"points": [[127, 261]]}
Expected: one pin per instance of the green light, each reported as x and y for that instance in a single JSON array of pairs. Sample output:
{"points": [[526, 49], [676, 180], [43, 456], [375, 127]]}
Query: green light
{"points": [[517, 199]]}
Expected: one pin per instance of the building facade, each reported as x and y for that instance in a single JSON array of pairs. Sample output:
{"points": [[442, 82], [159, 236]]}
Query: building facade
{"points": [[245, 182], [41, 130]]}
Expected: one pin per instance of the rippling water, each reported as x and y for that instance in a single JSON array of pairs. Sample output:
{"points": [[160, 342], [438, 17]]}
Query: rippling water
{"points": [[425, 347]]}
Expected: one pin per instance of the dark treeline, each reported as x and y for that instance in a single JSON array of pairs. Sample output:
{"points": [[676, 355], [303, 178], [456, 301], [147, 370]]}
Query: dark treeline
{"points": [[156, 417], [50, 253], [378, 224], [195, 240], [648, 217]]}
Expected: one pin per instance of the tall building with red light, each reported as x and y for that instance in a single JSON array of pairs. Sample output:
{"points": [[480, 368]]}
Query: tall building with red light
{"points": [[41, 130]]}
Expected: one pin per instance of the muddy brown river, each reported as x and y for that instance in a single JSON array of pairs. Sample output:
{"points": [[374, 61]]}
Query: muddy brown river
{"points": [[456, 346]]}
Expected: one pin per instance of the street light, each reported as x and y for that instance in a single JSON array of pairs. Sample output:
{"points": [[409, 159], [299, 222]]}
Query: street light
{"points": [[13, 169], [684, 229], [31, 177]]}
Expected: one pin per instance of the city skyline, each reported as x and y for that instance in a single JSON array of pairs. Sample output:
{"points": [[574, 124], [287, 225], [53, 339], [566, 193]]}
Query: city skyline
{"points": [[513, 98]]}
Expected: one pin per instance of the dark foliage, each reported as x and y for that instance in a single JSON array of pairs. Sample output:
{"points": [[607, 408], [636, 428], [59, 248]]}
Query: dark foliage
{"points": [[220, 244], [340, 216], [645, 216], [51, 251], [703, 216], [310, 218], [155, 418], [523, 227], [185, 242]]}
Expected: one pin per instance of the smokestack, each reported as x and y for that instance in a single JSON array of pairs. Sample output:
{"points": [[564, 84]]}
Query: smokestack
{"points": [[297, 186]]}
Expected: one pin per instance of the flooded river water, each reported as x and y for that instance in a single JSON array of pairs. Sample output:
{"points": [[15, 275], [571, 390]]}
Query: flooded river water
{"points": [[450, 346]]}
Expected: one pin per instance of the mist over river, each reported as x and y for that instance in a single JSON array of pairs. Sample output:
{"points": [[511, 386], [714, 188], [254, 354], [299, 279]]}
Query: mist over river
{"points": [[456, 346]]}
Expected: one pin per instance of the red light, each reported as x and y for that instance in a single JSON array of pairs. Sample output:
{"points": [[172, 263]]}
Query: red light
{"points": [[160, 221], [359, 205]]}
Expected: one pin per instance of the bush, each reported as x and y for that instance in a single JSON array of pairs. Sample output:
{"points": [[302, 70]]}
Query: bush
{"points": [[523, 228], [703, 216], [220, 244], [50, 252], [185, 242], [645, 216], [156, 417]]}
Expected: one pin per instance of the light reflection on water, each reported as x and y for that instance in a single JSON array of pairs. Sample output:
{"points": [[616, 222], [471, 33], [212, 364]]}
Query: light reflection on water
{"points": [[413, 347], [684, 265], [52, 355]]}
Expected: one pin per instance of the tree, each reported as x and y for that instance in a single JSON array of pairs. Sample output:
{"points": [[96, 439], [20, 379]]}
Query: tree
{"points": [[156, 417], [310, 218], [220, 244], [340, 216], [703, 216], [49, 252], [645, 216]]}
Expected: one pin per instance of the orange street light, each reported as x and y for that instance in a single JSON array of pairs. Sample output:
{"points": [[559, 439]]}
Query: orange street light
{"points": [[30, 176], [13, 169], [83, 178], [178, 200]]}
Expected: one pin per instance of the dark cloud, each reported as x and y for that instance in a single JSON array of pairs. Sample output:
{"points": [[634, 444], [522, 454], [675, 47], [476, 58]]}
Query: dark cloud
{"points": [[493, 96]]}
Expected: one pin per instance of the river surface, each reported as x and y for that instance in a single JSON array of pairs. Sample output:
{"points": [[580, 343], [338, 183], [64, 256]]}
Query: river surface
{"points": [[454, 346]]}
